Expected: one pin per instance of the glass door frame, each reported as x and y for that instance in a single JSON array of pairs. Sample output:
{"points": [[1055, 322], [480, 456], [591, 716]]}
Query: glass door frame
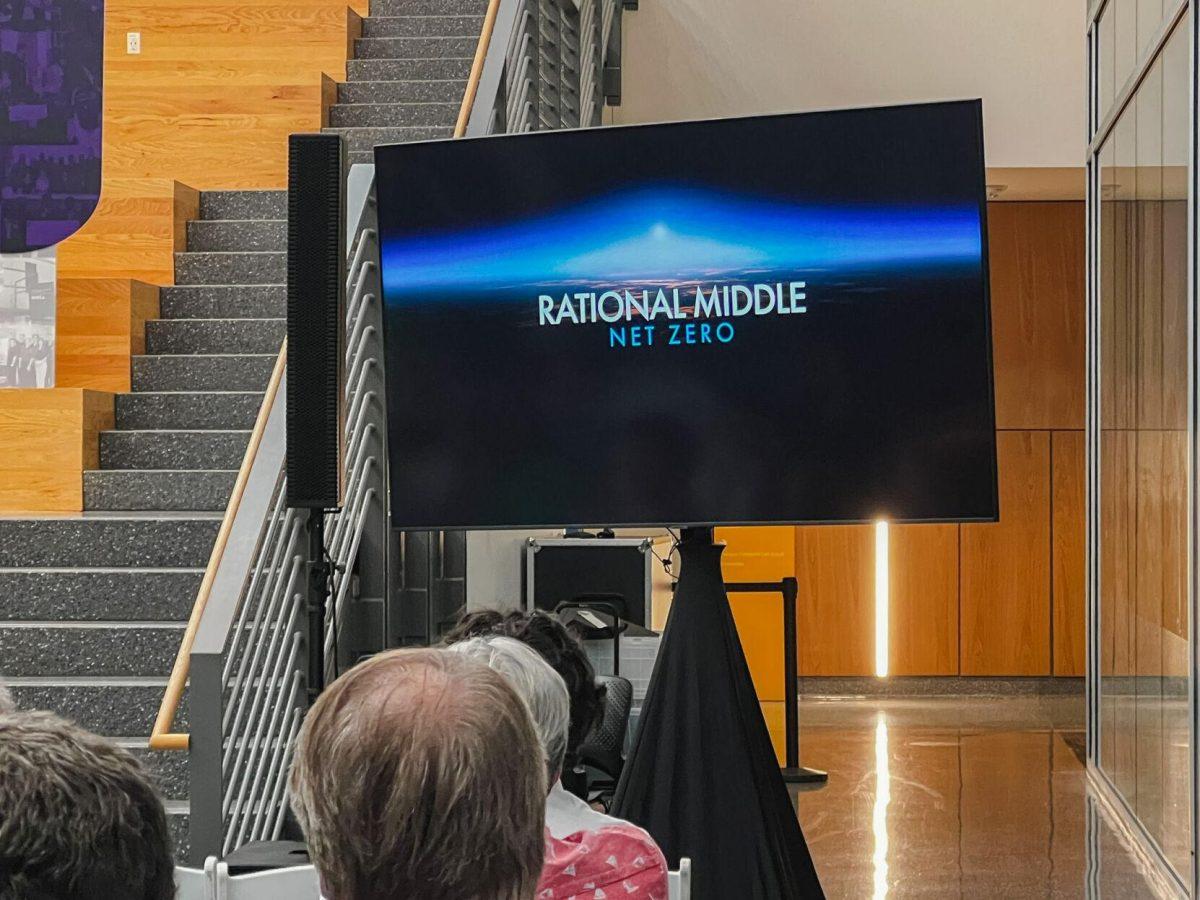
{"points": [[1100, 124]]}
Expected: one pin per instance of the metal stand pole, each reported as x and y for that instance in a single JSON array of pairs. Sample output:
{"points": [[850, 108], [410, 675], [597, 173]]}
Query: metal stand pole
{"points": [[793, 772], [318, 588]]}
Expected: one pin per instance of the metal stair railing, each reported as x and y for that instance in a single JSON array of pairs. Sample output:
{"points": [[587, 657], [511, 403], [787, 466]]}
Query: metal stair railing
{"points": [[539, 64], [547, 64], [245, 656]]}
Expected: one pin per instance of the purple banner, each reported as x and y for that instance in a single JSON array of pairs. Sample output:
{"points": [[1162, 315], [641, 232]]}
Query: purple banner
{"points": [[51, 69]]}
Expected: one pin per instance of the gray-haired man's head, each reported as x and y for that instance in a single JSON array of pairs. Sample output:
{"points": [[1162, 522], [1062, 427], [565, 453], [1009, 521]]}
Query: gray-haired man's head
{"points": [[7, 704], [542, 689]]}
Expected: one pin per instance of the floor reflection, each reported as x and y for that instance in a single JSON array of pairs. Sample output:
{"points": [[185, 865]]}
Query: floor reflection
{"points": [[955, 797]]}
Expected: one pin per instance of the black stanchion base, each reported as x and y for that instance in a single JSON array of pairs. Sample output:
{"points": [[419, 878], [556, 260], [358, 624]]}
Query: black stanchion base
{"points": [[804, 775]]}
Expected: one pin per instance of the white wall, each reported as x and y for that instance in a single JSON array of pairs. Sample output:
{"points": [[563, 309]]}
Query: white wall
{"points": [[494, 567], [688, 59]]}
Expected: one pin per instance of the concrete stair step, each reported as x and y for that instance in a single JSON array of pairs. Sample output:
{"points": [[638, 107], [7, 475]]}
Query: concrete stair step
{"points": [[207, 336], [393, 114], [179, 822], [88, 649], [359, 140], [168, 540], [219, 372], [116, 707], [159, 595], [427, 7], [172, 449], [187, 410], [408, 69], [442, 90], [237, 234], [142, 489], [168, 769], [223, 301], [422, 26], [231, 268], [227, 205], [415, 47]]}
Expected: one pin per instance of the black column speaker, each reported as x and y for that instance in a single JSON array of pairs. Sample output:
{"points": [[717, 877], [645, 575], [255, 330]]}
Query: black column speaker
{"points": [[316, 303]]}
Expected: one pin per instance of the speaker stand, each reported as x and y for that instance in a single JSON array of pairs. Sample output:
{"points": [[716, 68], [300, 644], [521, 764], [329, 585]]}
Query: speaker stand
{"points": [[318, 603]]}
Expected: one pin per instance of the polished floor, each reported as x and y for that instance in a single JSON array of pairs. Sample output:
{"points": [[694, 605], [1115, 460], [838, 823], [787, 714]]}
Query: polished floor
{"points": [[957, 797]]}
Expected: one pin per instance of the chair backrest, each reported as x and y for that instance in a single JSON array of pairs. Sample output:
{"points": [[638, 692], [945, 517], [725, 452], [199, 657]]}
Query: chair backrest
{"points": [[294, 883], [191, 884], [679, 884], [618, 702]]}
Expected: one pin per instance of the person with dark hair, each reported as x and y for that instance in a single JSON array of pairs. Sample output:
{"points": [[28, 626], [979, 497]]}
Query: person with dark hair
{"points": [[78, 817], [550, 638], [566, 814]]}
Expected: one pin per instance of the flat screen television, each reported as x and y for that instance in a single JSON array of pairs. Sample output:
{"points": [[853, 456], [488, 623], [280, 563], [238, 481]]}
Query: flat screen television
{"points": [[777, 319]]}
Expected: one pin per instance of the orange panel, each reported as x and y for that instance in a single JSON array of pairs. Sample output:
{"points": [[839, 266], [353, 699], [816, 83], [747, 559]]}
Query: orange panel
{"points": [[1037, 268], [1005, 601], [835, 566], [759, 554], [49, 435], [923, 594], [1069, 589]]}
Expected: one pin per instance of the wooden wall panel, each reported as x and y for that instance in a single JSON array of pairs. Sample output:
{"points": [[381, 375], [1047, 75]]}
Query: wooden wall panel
{"points": [[134, 232], [1005, 594], [49, 435], [101, 322], [1037, 267], [835, 568], [923, 591], [1069, 589], [209, 102], [759, 554]]}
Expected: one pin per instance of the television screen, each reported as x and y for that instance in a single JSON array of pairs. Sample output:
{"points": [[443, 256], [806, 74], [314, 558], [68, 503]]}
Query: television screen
{"points": [[778, 319]]}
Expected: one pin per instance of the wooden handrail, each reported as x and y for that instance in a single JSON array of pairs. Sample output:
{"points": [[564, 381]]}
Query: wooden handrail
{"points": [[162, 738], [481, 52]]}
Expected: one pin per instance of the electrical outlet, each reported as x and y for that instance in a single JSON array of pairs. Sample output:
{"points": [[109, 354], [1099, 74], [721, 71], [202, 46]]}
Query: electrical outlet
{"points": [[133, 42]]}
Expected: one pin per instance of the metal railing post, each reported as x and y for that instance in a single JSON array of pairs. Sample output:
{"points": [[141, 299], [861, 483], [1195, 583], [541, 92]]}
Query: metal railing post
{"points": [[205, 769]]}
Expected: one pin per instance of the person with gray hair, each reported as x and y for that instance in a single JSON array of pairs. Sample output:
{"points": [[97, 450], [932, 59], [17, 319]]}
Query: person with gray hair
{"points": [[78, 817], [614, 854], [418, 775], [7, 704], [542, 689]]}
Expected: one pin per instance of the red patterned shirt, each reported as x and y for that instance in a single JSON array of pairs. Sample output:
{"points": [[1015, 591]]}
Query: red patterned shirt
{"points": [[619, 861]]}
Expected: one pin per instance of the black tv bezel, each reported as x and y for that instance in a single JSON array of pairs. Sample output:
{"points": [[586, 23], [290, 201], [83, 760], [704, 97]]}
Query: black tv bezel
{"points": [[383, 151]]}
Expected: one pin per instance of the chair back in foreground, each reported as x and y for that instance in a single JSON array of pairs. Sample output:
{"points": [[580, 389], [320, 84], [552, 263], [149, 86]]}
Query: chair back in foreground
{"points": [[293, 883], [214, 882], [194, 884], [679, 884]]}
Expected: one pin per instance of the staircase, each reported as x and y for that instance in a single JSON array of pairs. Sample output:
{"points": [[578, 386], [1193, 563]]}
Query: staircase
{"points": [[407, 79], [92, 609]]}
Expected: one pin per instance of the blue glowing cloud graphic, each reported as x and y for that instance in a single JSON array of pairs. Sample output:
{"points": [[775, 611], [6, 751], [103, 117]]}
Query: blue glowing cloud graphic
{"points": [[657, 235]]}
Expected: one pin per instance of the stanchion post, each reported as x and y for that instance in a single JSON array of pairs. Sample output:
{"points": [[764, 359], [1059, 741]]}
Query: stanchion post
{"points": [[791, 691], [793, 772]]}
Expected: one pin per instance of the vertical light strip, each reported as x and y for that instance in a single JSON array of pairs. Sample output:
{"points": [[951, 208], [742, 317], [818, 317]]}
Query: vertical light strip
{"points": [[883, 797], [882, 599]]}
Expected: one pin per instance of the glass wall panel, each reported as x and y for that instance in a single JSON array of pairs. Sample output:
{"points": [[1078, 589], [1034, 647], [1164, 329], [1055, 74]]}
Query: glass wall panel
{"points": [[1150, 562], [1106, 51], [1175, 836], [1149, 20], [1144, 736], [1118, 466], [1125, 17]]}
